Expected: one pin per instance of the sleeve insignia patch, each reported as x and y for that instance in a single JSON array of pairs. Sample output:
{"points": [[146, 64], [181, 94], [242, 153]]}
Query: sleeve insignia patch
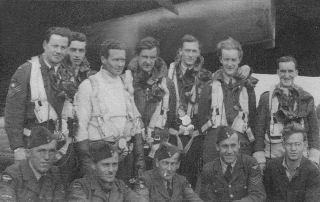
{"points": [[6, 178]]}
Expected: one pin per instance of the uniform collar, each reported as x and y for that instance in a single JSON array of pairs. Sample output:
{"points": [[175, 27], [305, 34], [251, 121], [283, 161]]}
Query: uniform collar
{"points": [[224, 165], [96, 186], [56, 67], [290, 172]]}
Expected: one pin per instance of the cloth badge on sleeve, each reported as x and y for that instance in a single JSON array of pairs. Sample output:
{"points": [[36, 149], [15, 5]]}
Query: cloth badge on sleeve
{"points": [[6, 178]]}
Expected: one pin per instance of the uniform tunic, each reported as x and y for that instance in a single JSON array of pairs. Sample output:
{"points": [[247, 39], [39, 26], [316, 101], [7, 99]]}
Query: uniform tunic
{"points": [[19, 110], [89, 189], [181, 189], [19, 183], [245, 184]]}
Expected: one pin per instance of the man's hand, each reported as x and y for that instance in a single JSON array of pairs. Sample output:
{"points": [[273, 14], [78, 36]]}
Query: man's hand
{"points": [[19, 154], [243, 72]]}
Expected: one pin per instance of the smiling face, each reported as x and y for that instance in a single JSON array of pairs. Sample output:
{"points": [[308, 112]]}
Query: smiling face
{"points": [[287, 73], [115, 62], [42, 157], [55, 49], [230, 60], [189, 52], [77, 52], [106, 169], [229, 149], [147, 59]]}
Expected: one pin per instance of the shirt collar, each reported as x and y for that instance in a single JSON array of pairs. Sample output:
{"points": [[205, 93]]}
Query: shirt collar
{"points": [[184, 68], [48, 64], [284, 164], [224, 165]]}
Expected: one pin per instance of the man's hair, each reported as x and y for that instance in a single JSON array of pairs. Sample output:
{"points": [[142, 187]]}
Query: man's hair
{"points": [[291, 129], [287, 59], [61, 31], [111, 44], [188, 38], [147, 43], [229, 44], [78, 36]]}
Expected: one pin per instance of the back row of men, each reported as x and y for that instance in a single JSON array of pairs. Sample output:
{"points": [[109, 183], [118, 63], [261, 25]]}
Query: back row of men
{"points": [[143, 119]]}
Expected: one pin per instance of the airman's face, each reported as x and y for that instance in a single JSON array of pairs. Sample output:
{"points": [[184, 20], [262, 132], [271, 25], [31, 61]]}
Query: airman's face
{"points": [[287, 73], [106, 169], [55, 49], [168, 167], [230, 61], [77, 52], [189, 52], [115, 62], [147, 59], [229, 149], [42, 157], [294, 146]]}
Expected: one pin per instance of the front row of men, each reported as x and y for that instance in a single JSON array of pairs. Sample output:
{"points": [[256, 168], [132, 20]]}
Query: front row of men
{"points": [[230, 177]]}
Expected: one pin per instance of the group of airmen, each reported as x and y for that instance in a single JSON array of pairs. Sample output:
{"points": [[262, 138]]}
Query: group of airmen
{"points": [[152, 132]]}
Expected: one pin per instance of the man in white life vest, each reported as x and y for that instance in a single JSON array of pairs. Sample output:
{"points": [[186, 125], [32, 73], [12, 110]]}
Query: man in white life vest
{"points": [[106, 112], [284, 104], [34, 97], [228, 101]]}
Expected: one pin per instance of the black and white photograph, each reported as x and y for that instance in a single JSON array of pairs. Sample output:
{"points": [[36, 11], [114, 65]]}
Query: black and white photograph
{"points": [[159, 101]]}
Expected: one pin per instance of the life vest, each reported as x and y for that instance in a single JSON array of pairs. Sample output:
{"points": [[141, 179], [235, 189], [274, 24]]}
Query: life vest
{"points": [[218, 116], [43, 109], [192, 106], [159, 117], [274, 135]]}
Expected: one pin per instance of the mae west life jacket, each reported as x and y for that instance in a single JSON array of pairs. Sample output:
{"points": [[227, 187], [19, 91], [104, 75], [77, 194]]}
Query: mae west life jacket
{"points": [[218, 116]]}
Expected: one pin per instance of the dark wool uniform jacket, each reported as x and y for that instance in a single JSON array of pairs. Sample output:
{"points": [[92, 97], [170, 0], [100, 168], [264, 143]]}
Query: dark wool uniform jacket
{"points": [[182, 190], [305, 110], [304, 186], [88, 189], [18, 183], [245, 185], [19, 110]]}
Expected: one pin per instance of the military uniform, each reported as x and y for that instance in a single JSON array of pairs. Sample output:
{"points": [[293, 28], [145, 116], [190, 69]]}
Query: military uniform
{"points": [[19, 109], [181, 189], [188, 86], [18, 183], [90, 189], [301, 105], [232, 108], [245, 184]]}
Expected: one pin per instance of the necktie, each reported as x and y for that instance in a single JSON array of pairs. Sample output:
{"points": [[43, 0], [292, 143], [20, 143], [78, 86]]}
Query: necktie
{"points": [[169, 188], [228, 174], [230, 83]]}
